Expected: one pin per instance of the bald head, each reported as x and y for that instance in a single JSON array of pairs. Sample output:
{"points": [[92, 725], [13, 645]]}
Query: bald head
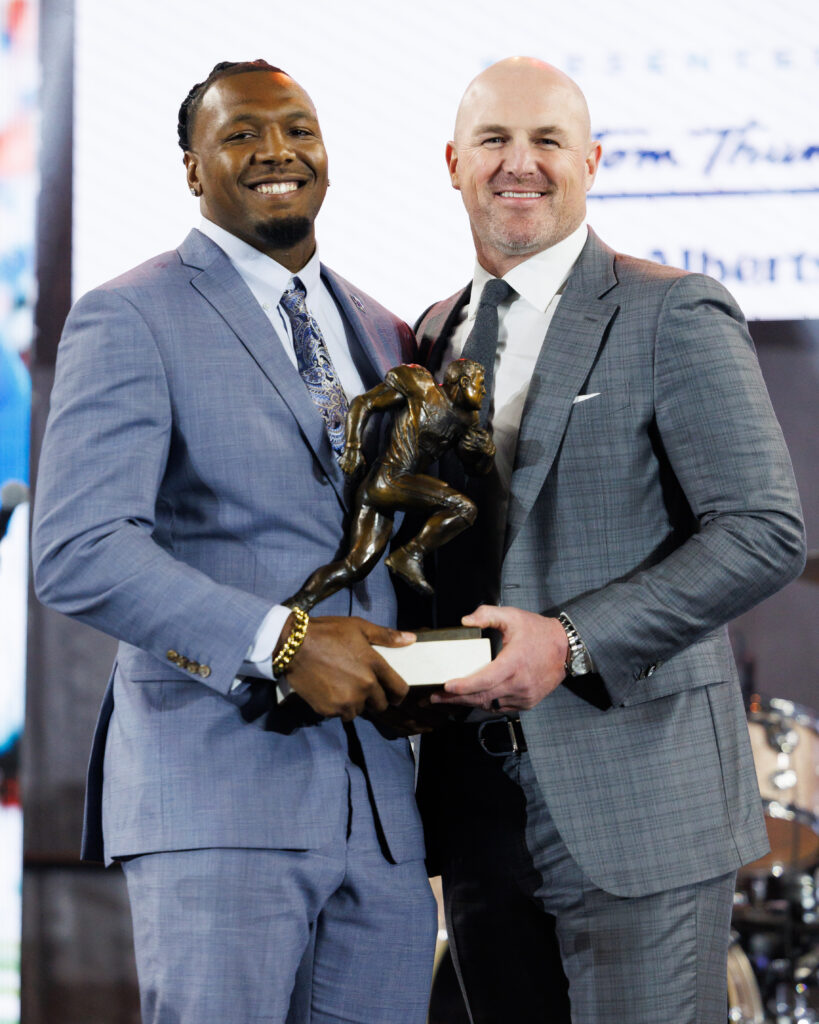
{"points": [[523, 159], [516, 76]]}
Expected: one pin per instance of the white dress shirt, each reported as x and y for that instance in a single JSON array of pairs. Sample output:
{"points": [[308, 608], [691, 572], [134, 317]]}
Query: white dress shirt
{"points": [[268, 280], [523, 320]]}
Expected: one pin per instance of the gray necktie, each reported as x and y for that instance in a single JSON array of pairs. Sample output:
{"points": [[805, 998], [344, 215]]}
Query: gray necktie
{"points": [[482, 343], [469, 566]]}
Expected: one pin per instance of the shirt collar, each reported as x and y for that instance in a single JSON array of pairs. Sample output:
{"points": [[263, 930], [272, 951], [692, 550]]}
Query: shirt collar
{"points": [[255, 265], [539, 278]]}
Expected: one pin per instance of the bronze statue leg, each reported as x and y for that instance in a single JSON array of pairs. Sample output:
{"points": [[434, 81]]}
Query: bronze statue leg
{"points": [[452, 512], [369, 535]]}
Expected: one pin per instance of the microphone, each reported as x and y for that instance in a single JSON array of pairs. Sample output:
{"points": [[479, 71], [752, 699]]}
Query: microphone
{"points": [[12, 494]]}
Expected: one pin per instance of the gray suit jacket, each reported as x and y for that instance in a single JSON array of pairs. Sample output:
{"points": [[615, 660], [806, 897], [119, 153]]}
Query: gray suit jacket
{"points": [[652, 514], [186, 484]]}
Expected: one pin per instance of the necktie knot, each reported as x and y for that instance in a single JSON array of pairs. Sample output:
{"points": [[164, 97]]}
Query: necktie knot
{"points": [[294, 296], [495, 291]]}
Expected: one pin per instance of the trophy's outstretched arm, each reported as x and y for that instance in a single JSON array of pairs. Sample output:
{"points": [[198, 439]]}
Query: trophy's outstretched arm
{"points": [[377, 399]]}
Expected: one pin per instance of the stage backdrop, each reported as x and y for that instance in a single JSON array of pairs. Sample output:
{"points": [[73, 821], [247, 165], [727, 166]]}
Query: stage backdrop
{"points": [[706, 110]]}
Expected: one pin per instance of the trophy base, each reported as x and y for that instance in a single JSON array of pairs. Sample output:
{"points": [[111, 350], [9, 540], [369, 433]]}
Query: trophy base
{"points": [[439, 655]]}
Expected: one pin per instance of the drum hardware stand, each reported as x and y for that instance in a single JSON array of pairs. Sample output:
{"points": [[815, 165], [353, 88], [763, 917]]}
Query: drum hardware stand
{"points": [[776, 904]]}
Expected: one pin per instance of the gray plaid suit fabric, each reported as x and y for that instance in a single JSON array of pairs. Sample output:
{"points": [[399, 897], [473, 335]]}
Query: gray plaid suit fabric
{"points": [[652, 512]]}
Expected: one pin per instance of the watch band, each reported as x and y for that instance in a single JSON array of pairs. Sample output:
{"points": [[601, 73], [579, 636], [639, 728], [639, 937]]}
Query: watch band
{"points": [[579, 661]]}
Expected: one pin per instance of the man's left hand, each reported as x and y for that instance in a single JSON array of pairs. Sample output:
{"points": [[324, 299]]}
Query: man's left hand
{"points": [[531, 664]]}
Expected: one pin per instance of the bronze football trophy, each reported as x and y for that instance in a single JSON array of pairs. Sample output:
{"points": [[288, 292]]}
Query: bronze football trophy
{"points": [[428, 421]]}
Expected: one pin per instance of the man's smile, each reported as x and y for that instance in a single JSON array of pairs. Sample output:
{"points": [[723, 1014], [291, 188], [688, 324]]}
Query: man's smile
{"points": [[508, 194], [276, 188]]}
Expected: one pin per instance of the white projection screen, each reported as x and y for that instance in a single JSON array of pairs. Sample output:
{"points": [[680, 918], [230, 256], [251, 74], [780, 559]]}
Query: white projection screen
{"points": [[707, 113]]}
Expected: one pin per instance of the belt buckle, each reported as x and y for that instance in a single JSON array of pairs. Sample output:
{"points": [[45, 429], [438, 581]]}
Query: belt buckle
{"points": [[513, 737]]}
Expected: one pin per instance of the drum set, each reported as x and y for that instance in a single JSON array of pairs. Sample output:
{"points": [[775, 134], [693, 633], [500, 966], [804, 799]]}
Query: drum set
{"points": [[773, 963]]}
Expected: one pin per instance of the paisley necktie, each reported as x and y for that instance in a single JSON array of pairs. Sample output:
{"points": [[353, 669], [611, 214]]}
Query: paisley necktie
{"points": [[314, 363]]}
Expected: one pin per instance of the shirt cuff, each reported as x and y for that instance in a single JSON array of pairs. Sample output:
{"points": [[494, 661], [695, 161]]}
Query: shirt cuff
{"points": [[259, 657]]}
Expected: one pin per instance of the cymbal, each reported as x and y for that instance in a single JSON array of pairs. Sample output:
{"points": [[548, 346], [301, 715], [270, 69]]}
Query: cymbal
{"points": [[811, 572]]}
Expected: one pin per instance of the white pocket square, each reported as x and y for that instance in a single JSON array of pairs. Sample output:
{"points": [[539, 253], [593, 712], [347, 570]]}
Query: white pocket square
{"points": [[585, 398]]}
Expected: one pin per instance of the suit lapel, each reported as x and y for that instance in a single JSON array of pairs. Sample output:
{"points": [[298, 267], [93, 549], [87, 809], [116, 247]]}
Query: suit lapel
{"points": [[566, 358], [222, 286], [375, 337], [435, 327]]}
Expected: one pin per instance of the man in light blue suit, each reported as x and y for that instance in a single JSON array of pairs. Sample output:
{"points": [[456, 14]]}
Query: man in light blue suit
{"points": [[589, 837], [267, 827]]}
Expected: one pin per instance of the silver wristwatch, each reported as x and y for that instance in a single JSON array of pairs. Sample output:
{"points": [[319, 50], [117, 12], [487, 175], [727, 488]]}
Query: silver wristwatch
{"points": [[579, 661]]}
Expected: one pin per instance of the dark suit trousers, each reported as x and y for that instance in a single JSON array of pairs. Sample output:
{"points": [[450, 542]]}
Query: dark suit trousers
{"points": [[534, 940]]}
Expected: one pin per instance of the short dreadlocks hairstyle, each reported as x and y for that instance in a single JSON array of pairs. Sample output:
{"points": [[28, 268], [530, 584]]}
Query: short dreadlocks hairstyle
{"points": [[192, 102]]}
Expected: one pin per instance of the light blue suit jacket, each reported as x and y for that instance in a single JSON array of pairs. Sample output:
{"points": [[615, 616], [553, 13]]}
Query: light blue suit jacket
{"points": [[186, 484]]}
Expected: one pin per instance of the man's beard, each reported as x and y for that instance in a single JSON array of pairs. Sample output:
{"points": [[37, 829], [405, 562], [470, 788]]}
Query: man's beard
{"points": [[284, 233]]}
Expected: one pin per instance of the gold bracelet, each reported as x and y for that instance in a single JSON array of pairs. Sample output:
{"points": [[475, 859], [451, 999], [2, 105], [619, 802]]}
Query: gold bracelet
{"points": [[292, 643]]}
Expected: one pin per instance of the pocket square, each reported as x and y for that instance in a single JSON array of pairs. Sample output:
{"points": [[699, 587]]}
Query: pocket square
{"points": [[585, 398]]}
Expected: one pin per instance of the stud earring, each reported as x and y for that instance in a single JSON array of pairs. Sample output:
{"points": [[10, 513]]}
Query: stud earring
{"points": [[193, 191]]}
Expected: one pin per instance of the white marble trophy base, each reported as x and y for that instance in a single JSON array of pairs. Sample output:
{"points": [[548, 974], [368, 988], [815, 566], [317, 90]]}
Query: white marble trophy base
{"points": [[439, 655]]}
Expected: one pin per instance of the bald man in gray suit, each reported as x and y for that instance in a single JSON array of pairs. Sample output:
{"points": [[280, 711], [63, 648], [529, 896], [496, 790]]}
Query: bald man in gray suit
{"points": [[590, 826]]}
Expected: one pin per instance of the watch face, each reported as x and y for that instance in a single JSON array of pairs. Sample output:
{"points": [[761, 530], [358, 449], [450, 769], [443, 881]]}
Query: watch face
{"points": [[579, 666]]}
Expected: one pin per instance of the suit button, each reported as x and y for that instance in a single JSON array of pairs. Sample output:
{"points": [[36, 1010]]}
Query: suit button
{"points": [[193, 666], [172, 656], [204, 671], [183, 663]]}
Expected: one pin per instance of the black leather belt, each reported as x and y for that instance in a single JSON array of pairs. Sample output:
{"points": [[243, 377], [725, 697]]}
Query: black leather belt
{"points": [[500, 737]]}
